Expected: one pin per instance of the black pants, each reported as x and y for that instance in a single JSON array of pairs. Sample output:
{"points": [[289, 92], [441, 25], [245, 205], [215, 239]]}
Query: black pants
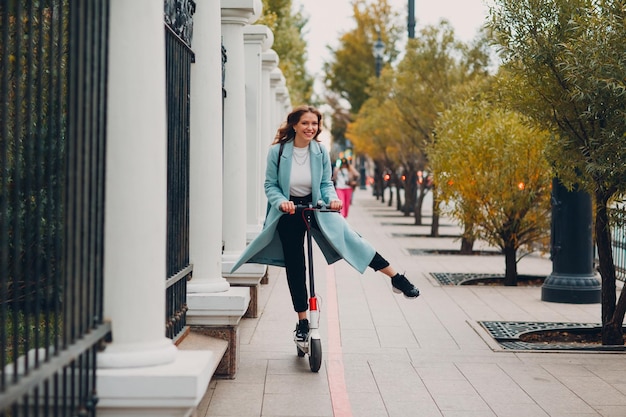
{"points": [[291, 230]]}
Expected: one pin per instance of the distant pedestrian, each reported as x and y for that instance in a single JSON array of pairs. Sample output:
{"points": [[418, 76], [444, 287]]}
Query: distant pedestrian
{"points": [[299, 172], [345, 178]]}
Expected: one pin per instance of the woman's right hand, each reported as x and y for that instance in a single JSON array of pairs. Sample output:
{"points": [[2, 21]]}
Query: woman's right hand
{"points": [[288, 207], [335, 205]]}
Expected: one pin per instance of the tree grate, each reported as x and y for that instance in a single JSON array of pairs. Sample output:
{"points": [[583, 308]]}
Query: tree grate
{"points": [[386, 215], [425, 235], [457, 252], [454, 278], [511, 330], [507, 334]]}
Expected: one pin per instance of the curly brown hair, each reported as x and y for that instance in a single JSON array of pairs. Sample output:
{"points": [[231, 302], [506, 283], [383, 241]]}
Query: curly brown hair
{"points": [[286, 132]]}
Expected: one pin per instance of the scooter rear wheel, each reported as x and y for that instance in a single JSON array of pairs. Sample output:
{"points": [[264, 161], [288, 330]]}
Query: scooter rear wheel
{"points": [[315, 354]]}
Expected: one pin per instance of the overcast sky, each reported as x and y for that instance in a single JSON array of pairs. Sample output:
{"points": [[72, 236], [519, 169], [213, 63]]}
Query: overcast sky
{"points": [[328, 19]]}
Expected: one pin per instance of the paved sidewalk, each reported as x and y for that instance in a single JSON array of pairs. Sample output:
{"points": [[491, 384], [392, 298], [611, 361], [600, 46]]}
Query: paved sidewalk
{"points": [[385, 355]]}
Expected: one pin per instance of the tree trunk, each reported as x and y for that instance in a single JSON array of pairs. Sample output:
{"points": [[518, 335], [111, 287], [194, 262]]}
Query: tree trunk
{"points": [[612, 315], [419, 202], [510, 262], [410, 192], [398, 199], [380, 185], [434, 227], [376, 187], [467, 246], [467, 242]]}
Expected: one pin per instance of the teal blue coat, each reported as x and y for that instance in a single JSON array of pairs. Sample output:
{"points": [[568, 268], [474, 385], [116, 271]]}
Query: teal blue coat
{"points": [[336, 239]]}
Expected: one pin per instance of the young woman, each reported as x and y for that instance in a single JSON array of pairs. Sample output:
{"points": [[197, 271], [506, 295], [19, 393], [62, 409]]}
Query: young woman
{"points": [[344, 177], [299, 172]]}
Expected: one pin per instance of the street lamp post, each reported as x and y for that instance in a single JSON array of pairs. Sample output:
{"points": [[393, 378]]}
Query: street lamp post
{"points": [[362, 184], [379, 50], [411, 19], [573, 277]]}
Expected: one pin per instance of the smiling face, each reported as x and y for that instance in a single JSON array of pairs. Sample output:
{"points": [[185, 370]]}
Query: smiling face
{"points": [[306, 129]]}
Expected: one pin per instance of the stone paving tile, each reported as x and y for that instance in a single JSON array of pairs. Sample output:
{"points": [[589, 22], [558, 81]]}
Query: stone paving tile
{"points": [[297, 385], [289, 405], [441, 387], [236, 399], [366, 405], [360, 380], [454, 402], [514, 410], [439, 372], [573, 414], [401, 408], [467, 413], [594, 391], [611, 410]]}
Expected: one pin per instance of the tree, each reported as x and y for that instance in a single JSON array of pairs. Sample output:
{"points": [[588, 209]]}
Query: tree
{"points": [[490, 168], [290, 46], [434, 66], [352, 66], [569, 58], [374, 135], [352, 63]]}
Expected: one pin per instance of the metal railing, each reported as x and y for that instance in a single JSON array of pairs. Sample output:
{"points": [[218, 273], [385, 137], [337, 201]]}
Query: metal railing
{"points": [[618, 240], [179, 57], [53, 60]]}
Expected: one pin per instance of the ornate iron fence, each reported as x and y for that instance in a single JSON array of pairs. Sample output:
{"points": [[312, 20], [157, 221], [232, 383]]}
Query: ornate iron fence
{"points": [[179, 57], [53, 60], [618, 240]]}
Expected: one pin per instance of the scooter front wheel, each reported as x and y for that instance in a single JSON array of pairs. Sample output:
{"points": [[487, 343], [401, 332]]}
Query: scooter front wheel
{"points": [[300, 352], [315, 354]]}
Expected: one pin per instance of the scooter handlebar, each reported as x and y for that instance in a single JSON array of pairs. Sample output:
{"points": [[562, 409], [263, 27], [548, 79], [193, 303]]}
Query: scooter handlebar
{"points": [[320, 206]]}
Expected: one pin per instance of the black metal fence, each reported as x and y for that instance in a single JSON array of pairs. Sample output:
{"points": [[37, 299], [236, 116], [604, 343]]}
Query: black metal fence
{"points": [[53, 60], [618, 240], [179, 58]]}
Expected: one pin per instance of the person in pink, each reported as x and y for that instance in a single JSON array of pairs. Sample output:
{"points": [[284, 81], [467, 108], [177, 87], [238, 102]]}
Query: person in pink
{"points": [[345, 178]]}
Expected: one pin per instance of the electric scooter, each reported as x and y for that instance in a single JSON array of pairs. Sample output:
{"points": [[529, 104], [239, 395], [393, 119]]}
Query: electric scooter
{"points": [[313, 344]]}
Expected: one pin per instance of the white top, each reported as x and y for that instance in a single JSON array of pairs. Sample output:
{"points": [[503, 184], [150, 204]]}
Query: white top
{"points": [[300, 183], [342, 178]]}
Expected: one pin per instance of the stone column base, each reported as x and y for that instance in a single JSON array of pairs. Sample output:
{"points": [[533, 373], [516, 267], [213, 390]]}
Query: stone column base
{"points": [[171, 390], [227, 368], [253, 307], [249, 275]]}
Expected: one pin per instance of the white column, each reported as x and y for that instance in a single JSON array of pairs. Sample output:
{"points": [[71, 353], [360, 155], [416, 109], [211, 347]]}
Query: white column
{"points": [[235, 15], [141, 373], [269, 61], [282, 94], [205, 207], [210, 298], [136, 189], [257, 39], [276, 82]]}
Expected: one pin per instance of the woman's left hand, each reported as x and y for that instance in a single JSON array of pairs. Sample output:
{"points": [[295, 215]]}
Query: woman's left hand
{"points": [[335, 205]]}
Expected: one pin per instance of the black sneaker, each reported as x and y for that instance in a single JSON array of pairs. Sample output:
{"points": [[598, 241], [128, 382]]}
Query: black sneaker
{"points": [[402, 285], [302, 330]]}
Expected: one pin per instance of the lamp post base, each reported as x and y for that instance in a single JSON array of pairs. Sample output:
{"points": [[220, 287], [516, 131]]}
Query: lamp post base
{"points": [[363, 184], [362, 174], [571, 289]]}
